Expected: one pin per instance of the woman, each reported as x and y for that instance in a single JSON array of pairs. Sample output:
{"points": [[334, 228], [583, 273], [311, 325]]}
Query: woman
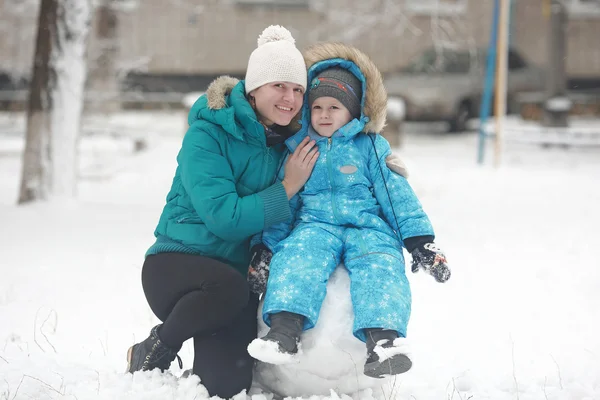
{"points": [[224, 191]]}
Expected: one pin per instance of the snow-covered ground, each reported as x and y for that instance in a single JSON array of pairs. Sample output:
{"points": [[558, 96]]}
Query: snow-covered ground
{"points": [[518, 320]]}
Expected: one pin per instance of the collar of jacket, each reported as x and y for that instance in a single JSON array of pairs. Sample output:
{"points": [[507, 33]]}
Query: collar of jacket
{"points": [[228, 108], [347, 131], [274, 136]]}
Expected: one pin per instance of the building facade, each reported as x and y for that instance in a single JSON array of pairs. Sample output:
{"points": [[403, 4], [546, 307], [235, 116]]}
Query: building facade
{"points": [[213, 37]]}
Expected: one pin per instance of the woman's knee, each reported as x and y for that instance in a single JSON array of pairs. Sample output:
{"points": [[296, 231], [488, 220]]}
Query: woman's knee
{"points": [[167, 277], [157, 292]]}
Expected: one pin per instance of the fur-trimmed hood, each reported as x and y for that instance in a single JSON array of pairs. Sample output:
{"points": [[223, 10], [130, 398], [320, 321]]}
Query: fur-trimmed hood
{"points": [[225, 104], [218, 90], [325, 55]]}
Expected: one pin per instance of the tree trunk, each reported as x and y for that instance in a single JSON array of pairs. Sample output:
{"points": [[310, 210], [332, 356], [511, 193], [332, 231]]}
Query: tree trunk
{"points": [[103, 77], [55, 101]]}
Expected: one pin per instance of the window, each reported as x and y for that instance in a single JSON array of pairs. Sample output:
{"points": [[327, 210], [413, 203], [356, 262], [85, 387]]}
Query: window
{"points": [[458, 63], [444, 61], [436, 7], [424, 63], [583, 8], [515, 61], [274, 3]]}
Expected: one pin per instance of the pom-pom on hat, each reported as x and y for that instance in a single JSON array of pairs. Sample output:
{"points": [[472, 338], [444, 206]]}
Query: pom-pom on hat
{"points": [[276, 59]]}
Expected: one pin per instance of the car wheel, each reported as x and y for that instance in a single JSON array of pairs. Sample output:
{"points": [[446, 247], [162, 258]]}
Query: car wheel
{"points": [[462, 116]]}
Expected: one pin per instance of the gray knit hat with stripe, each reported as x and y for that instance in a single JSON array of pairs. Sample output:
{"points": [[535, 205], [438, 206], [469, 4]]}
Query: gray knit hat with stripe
{"points": [[340, 84]]}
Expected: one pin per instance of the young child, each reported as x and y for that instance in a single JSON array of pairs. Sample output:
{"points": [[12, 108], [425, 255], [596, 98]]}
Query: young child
{"points": [[354, 210]]}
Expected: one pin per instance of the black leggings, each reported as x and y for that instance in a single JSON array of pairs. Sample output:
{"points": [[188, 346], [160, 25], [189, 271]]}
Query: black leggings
{"points": [[201, 298]]}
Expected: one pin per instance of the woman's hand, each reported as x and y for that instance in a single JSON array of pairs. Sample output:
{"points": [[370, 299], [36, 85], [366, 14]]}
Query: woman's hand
{"points": [[299, 166]]}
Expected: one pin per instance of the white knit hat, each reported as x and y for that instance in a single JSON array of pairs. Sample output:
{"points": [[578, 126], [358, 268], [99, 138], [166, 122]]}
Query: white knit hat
{"points": [[276, 59]]}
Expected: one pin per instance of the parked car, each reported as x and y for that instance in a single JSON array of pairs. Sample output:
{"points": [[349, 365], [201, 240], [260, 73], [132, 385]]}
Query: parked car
{"points": [[447, 85]]}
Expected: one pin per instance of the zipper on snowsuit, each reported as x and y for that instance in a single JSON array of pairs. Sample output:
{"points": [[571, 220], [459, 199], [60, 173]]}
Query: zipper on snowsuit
{"points": [[331, 184]]}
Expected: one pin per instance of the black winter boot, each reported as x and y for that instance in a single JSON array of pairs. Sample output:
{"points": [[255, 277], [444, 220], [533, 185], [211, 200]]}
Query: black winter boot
{"points": [[396, 363], [151, 353], [286, 328], [280, 345]]}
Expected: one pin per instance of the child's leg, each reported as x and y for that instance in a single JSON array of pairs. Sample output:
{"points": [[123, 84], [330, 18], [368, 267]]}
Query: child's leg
{"points": [[381, 298], [299, 271], [296, 289], [380, 291]]}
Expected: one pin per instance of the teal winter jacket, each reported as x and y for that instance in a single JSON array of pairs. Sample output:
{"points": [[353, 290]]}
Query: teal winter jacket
{"points": [[225, 187]]}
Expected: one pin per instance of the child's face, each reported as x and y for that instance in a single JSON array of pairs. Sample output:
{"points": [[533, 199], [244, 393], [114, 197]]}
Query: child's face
{"points": [[327, 115]]}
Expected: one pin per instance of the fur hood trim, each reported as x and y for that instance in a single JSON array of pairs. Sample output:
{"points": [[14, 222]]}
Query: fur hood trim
{"points": [[218, 90]]}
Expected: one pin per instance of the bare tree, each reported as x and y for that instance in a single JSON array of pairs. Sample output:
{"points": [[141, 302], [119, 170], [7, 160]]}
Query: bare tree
{"points": [[55, 100], [349, 19], [103, 78], [106, 64]]}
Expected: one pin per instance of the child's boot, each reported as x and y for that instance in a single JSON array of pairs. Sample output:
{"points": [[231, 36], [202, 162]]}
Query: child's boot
{"points": [[281, 343], [151, 353], [385, 354]]}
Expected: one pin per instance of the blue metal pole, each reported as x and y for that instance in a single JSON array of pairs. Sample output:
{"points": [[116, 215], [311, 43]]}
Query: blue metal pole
{"points": [[490, 79]]}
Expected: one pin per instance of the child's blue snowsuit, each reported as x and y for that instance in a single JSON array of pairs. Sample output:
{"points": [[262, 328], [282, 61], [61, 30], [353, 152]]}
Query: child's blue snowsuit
{"points": [[344, 215]]}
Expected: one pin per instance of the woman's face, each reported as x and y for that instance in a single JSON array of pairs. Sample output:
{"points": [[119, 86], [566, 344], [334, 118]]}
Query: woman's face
{"points": [[278, 102]]}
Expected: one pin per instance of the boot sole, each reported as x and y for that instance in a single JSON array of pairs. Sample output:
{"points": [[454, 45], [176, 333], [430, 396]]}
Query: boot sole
{"points": [[129, 356], [395, 365], [269, 352], [186, 374]]}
